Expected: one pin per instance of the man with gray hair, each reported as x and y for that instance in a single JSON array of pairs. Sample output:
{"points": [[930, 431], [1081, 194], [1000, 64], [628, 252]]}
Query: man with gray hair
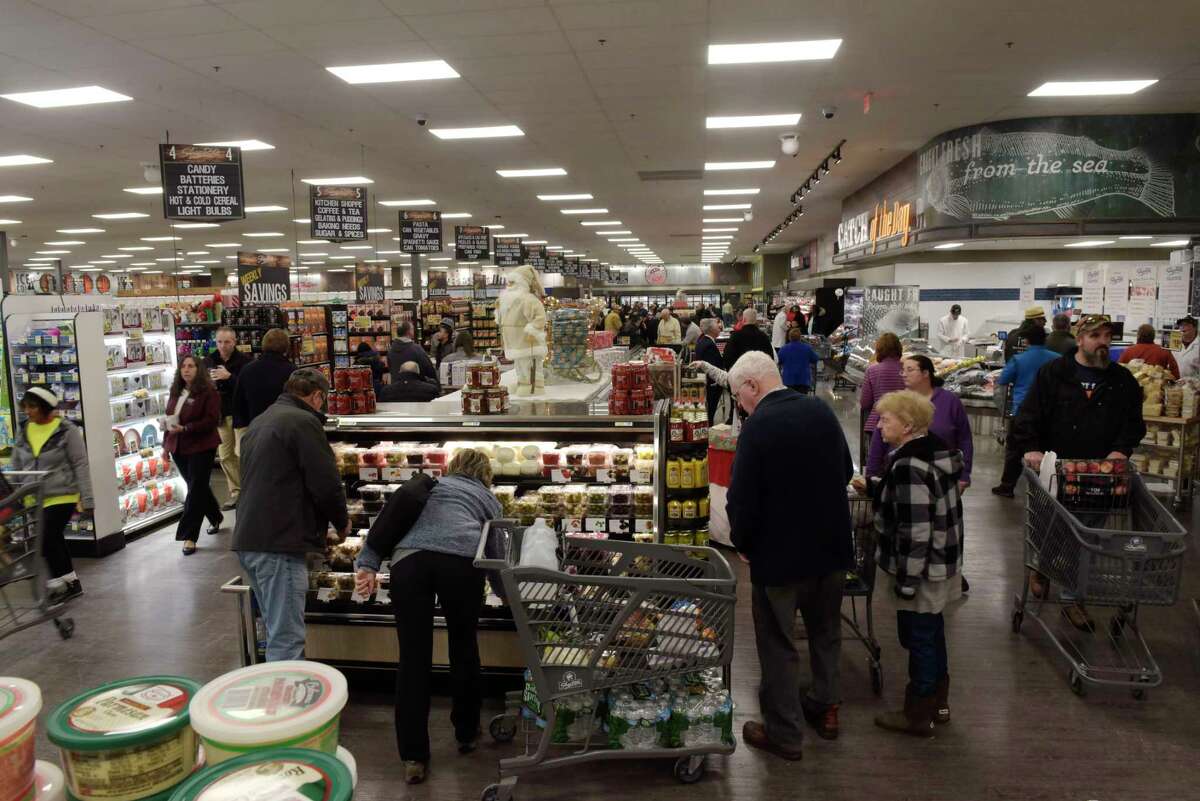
{"points": [[292, 493], [746, 339], [707, 351], [790, 521]]}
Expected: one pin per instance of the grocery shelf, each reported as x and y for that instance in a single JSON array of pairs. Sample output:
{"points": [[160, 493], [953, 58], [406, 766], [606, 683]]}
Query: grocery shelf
{"points": [[139, 368], [149, 520]]}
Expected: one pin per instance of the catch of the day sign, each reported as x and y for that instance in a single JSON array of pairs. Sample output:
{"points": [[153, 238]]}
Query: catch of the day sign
{"points": [[471, 242], [508, 252], [201, 183], [421, 231], [263, 279], [337, 213]]}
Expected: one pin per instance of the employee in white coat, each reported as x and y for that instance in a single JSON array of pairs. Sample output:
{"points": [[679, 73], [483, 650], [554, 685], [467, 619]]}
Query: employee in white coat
{"points": [[952, 331], [1189, 357], [779, 329]]}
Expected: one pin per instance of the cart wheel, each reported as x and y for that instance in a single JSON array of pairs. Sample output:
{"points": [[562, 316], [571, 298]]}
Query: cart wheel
{"points": [[876, 679], [1017, 617], [1139, 693], [1077, 686], [65, 626], [690, 770], [492, 793], [501, 730]]}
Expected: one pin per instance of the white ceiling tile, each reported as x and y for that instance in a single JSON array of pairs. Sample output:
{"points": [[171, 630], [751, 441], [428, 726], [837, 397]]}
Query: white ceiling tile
{"points": [[264, 13], [456, 6], [92, 8], [164, 22], [631, 14], [517, 44], [531, 21], [211, 45], [389, 40]]}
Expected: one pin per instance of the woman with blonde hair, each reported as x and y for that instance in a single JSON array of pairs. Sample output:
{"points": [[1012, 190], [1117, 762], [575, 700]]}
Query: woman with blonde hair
{"points": [[918, 514], [435, 558]]}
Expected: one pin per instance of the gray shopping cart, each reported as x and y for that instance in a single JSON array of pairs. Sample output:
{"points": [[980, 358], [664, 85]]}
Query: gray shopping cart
{"points": [[24, 601]]}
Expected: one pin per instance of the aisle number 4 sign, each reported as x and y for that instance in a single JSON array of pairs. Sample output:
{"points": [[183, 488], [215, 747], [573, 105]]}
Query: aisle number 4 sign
{"points": [[201, 183]]}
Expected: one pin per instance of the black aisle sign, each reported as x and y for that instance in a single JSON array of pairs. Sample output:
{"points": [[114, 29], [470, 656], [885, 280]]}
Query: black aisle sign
{"points": [[368, 282], [554, 262], [337, 213], [202, 184], [535, 256], [471, 242], [263, 279], [570, 266], [421, 231], [508, 252]]}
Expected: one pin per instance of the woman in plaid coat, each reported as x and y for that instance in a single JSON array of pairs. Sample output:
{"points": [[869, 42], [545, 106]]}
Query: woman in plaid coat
{"points": [[918, 514]]}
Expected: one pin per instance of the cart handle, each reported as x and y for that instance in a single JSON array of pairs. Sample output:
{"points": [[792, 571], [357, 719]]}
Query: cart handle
{"points": [[236, 585]]}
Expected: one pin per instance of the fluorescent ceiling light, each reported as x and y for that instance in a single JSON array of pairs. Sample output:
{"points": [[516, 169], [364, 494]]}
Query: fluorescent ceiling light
{"points": [[417, 202], [533, 173], [766, 52], [1089, 243], [753, 121], [160, 238], [59, 98], [493, 227], [554, 247], [388, 253], [1120, 237], [116, 256], [143, 190], [274, 250], [722, 219], [120, 215], [312, 242], [716, 230], [1174, 243], [22, 160], [139, 263], [10, 222], [379, 230], [512, 236], [79, 230], [222, 244], [195, 225], [583, 211], [395, 72], [456, 215], [948, 246], [168, 258], [98, 261], [441, 258], [611, 233], [302, 220], [1086, 88], [726, 206], [731, 191], [312, 254], [580, 196], [60, 242], [357, 247], [738, 165], [536, 241], [312, 262], [717, 236], [244, 144], [134, 248], [632, 239], [338, 181], [486, 132], [337, 270], [153, 272], [208, 261], [23, 199], [190, 252], [261, 209], [375, 261], [601, 223], [264, 234], [341, 258]]}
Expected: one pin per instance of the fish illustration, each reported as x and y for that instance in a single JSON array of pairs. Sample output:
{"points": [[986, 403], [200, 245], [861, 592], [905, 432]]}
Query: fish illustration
{"points": [[1031, 172]]}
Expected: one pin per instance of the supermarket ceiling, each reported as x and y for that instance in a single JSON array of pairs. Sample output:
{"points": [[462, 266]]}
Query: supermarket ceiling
{"points": [[605, 90]]}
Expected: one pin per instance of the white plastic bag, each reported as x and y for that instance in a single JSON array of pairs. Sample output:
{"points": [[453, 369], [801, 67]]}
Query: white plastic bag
{"points": [[539, 546], [1049, 460]]}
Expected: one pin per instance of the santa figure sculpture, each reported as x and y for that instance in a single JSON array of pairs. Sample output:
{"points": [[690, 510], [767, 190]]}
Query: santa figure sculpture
{"points": [[522, 321]]}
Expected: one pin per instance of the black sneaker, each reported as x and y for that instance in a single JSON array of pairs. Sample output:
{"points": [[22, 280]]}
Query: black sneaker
{"points": [[66, 592]]}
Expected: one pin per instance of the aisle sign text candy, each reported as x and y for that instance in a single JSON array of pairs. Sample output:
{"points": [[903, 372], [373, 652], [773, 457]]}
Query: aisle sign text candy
{"points": [[201, 183]]}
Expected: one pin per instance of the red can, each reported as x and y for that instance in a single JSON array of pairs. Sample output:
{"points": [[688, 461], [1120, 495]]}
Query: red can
{"points": [[372, 403]]}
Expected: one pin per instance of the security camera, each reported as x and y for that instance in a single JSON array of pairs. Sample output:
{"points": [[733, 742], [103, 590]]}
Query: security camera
{"points": [[789, 143], [422, 120], [150, 171], [747, 216], [828, 111]]}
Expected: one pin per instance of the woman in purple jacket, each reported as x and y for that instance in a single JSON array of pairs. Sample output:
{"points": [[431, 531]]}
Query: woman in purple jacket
{"points": [[881, 378]]}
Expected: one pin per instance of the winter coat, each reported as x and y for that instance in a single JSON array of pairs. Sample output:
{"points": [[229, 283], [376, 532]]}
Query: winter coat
{"points": [[918, 514], [707, 351], [405, 350], [291, 488], [234, 364], [63, 457], [1058, 416], [1060, 341], [410, 388], [950, 424], [200, 417], [258, 386], [1022, 371], [744, 340]]}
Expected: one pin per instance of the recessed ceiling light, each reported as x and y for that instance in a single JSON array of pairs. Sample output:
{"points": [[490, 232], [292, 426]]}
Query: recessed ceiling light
{"points": [[554, 247], [948, 246], [23, 199], [379, 230], [312, 254], [584, 211], [44, 258], [153, 272], [513, 236], [716, 230], [100, 261], [134, 248], [10, 222], [208, 261], [753, 121], [738, 165], [60, 242], [120, 215], [619, 239], [302, 220], [195, 225], [312, 262], [456, 215], [717, 236], [139, 263], [726, 206], [160, 238], [599, 223], [244, 144], [261, 209], [613, 233], [535, 241], [274, 250], [1174, 243], [264, 234], [395, 72], [1147, 236], [1087, 88], [442, 258], [168, 258], [312, 242], [23, 160], [765, 52], [722, 219], [357, 247], [79, 230], [348, 180], [337, 270], [486, 132], [143, 190], [1089, 243], [731, 191], [493, 227], [415, 202], [388, 252], [532, 173], [190, 252], [59, 98], [222, 244], [341, 258], [580, 196]]}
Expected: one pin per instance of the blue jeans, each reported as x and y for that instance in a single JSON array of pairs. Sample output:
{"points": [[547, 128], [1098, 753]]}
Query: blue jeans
{"points": [[279, 582], [923, 635]]}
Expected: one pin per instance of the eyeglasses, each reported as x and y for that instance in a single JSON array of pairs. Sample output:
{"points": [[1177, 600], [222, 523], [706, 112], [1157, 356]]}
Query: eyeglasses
{"points": [[909, 369]]}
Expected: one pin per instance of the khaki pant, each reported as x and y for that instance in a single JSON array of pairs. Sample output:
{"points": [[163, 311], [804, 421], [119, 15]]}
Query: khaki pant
{"points": [[228, 454]]}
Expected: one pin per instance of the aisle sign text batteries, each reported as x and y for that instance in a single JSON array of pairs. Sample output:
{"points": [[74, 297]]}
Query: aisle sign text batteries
{"points": [[535, 256], [508, 252], [368, 282], [421, 231], [263, 279], [337, 213], [201, 184], [471, 242]]}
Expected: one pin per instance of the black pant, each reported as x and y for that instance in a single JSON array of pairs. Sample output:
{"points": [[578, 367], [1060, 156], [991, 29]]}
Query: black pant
{"points": [[54, 542], [196, 469], [1013, 460], [458, 585]]}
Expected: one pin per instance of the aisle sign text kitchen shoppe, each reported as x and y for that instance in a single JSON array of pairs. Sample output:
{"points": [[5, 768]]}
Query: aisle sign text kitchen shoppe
{"points": [[337, 213], [421, 231], [507, 252], [201, 184], [471, 242], [263, 278]]}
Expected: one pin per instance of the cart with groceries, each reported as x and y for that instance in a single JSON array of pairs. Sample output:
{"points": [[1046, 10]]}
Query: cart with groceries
{"points": [[24, 601], [1094, 532], [628, 647]]}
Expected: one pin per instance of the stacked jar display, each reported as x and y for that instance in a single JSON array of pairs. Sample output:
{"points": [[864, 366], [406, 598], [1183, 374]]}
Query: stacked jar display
{"points": [[483, 393], [687, 466], [353, 392], [631, 391]]}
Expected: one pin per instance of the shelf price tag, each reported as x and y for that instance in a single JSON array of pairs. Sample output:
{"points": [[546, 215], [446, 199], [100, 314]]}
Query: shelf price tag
{"points": [[394, 474], [560, 475], [368, 473], [639, 476], [358, 599], [595, 524], [643, 524], [327, 594], [572, 525], [604, 475], [619, 525], [383, 595]]}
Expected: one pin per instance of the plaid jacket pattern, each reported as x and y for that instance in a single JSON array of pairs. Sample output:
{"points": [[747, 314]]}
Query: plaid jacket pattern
{"points": [[918, 513]]}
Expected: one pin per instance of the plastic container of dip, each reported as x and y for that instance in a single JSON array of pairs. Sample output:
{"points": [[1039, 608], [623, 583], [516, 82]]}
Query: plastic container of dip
{"points": [[128, 740], [274, 705], [20, 703], [48, 782], [347, 759], [275, 774]]}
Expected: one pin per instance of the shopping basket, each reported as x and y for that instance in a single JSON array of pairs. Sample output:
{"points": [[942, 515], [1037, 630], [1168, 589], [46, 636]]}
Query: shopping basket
{"points": [[1100, 536], [24, 601], [615, 615]]}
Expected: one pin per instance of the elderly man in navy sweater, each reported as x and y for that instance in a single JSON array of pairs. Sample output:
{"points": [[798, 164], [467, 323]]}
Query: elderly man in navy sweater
{"points": [[790, 521]]}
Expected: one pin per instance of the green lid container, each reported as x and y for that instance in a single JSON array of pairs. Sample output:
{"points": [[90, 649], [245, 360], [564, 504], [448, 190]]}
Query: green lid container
{"points": [[282, 774], [123, 713]]}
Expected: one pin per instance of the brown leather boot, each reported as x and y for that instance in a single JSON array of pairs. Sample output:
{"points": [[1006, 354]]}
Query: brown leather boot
{"points": [[942, 711], [916, 718]]}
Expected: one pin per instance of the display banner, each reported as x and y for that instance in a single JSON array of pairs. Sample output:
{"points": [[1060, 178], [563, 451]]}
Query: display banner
{"points": [[437, 285], [1173, 282], [421, 231], [852, 310], [1027, 291], [263, 279], [1116, 293], [534, 256], [1143, 295], [337, 213], [890, 308], [1093, 291], [201, 184], [507, 252], [555, 262], [34, 283], [368, 282], [471, 242]]}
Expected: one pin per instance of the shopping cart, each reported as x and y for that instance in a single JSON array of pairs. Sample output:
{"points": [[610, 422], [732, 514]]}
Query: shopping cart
{"points": [[1003, 400], [1100, 536], [24, 601], [618, 616]]}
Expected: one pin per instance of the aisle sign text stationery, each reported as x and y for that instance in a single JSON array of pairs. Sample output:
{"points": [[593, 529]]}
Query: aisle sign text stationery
{"points": [[471, 242], [570, 265], [263, 278], [201, 184], [337, 213], [421, 231], [368, 282], [508, 252]]}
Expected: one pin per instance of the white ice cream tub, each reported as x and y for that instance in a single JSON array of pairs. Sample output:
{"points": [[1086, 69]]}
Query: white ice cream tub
{"points": [[20, 703]]}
